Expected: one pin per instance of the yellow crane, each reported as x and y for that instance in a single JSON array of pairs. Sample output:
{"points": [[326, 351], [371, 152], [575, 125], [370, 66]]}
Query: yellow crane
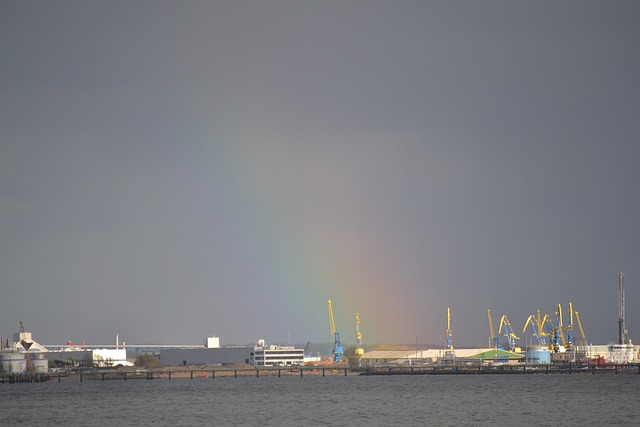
{"points": [[569, 330], [359, 344], [495, 340], [509, 333], [537, 323], [585, 342], [449, 335], [337, 345]]}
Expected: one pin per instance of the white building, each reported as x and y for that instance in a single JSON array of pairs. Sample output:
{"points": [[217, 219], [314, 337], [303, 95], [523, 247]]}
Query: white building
{"points": [[106, 357], [212, 342], [276, 355]]}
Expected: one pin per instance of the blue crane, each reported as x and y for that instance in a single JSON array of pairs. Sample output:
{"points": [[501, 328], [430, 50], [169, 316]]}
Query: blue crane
{"points": [[536, 326], [495, 339], [509, 333], [337, 345]]}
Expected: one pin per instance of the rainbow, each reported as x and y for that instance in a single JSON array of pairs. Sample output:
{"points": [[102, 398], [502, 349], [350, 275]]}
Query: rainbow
{"points": [[300, 266]]}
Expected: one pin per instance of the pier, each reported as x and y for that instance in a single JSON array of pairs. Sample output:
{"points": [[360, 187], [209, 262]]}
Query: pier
{"points": [[109, 374]]}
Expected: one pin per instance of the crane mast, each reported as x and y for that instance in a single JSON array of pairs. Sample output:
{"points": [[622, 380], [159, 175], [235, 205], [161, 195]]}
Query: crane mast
{"points": [[359, 345], [449, 335], [337, 345], [569, 329], [622, 330], [557, 332]]}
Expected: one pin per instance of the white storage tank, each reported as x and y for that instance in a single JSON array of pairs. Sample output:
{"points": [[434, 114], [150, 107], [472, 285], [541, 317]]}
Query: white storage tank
{"points": [[40, 362], [12, 362], [538, 354]]}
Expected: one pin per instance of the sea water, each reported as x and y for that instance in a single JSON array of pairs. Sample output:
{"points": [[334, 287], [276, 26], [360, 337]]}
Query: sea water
{"points": [[425, 400]]}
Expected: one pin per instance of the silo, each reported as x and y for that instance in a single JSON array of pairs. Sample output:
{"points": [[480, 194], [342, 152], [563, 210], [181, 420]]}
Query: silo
{"points": [[12, 362], [40, 362]]}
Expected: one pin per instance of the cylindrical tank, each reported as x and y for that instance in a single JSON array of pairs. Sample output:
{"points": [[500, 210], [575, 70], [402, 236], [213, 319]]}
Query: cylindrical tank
{"points": [[12, 362], [40, 362], [538, 354]]}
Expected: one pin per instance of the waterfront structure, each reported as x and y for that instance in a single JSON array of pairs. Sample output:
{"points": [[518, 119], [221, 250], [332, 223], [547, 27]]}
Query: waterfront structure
{"points": [[15, 362], [439, 357], [182, 356], [276, 355], [23, 355], [538, 354]]}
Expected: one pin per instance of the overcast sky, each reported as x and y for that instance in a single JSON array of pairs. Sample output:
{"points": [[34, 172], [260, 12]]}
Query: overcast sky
{"points": [[175, 170]]}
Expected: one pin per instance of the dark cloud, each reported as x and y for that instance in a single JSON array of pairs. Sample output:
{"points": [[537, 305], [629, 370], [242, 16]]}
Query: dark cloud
{"points": [[168, 171]]}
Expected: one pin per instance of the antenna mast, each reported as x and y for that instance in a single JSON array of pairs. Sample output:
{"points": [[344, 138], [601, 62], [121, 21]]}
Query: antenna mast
{"points": [[622, 331]]}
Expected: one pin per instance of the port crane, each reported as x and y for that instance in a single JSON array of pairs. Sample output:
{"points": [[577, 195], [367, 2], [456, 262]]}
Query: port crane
{"points": [[556, 332], [547, 329], [359, 345], [26, 345], [449, 335], [495, 340], [508, 332], [536, 323], [337, 345], [585, 341], [569, 330]]}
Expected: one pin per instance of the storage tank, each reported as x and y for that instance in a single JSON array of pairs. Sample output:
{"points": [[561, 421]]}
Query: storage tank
{"points": [[538, 355], [40, 362], [12, 362]]}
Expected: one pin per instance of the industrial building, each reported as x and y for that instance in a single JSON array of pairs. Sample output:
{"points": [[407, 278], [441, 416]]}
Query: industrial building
{"points": [[209, 354], [23, 355], [100, 357], [276, 355]]}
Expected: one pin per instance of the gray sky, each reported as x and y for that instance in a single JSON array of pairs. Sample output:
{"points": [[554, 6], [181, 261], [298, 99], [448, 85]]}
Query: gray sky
{"points": [[172, 170]]}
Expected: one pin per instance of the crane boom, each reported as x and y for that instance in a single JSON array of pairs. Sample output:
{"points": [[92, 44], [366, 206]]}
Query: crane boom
{"points": [[508, 332], [534, 326], [582, 334], [331, 320], [495, 340], [337, 345]]}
